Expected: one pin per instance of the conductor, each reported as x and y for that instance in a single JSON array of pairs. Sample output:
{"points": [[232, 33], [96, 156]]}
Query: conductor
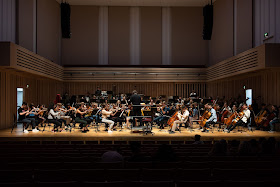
{"points": [[135, 99]]}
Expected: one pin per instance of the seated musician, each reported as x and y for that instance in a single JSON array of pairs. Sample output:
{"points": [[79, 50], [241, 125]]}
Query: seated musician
{"points": [[62, 115], [105, 115], [275, 120], [212, 119], [33, 113], [243, 120], [80, 118], [182, 119], [95, 110], [41, 111], [163, 114], [53, 118], [23, 112], [263, 112]]}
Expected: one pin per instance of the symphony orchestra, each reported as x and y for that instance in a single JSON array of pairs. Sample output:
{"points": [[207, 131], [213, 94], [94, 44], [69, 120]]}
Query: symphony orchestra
{"points": [[126, 111]]}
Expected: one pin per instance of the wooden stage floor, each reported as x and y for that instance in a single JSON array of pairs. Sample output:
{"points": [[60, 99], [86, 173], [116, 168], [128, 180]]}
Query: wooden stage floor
{"points": [[127, 135]]}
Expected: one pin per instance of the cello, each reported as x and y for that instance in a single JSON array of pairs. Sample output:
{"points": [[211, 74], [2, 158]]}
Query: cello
{"points": [[172, 119], [206, 115]]}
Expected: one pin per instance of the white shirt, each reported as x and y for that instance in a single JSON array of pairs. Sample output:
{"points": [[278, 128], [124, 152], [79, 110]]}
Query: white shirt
{"points": [[246, 116], [106, 114], [52, 114], [185, 116]]}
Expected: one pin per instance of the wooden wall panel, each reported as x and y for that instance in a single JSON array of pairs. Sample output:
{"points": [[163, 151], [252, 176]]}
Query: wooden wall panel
{"points": [[264, 83], [149, 89], [40, 91]]}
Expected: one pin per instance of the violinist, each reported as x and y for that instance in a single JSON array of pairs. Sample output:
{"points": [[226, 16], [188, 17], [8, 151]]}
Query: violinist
{"points": [[105, 115], [62, 116], [23, 112], [243, 118], [212, 119], [80, 118], [163, 111], [41, 111], [275, 120], [33, 113], [182, 118], [52, 118]]}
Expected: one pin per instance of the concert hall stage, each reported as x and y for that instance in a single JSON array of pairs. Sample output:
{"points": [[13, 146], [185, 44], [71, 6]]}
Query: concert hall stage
{"points": [[126, 135]]}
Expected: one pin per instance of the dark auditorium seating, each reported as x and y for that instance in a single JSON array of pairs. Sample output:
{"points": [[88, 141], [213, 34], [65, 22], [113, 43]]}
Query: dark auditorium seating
{"points": [[81, 164]]}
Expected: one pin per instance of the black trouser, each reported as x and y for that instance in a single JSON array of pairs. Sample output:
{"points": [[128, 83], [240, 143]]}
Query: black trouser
{"points": [[239, 123], [83, 122], [137, 112], [209, 123], [29, 121], [56, 122]]}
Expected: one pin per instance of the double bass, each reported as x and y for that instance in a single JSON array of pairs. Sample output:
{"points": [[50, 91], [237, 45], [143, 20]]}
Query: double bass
{"points": [[206, 115]]}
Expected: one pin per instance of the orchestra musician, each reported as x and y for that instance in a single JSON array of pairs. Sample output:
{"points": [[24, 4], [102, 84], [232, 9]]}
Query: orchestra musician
{"points": [[182, 118], [275, 120], [52, 118], [23, 117], [105, 115], [163, 111], [212, 119], [80, 118], [243, 118]]}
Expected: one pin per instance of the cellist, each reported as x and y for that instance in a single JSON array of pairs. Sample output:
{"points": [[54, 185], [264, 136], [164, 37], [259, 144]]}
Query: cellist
{"points": [[243, 119], [212, 119], [261, 116], [182, 118]]}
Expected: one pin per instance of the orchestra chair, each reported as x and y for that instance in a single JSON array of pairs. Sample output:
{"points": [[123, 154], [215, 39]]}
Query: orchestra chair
{"points": [[15, 122], [97, 121]]}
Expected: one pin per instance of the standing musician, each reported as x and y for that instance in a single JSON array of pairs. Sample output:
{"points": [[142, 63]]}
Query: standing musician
{"points": [[212, 119], [23, 112], [105, 115], [243, 118], [275, 112], [182, 118]]}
